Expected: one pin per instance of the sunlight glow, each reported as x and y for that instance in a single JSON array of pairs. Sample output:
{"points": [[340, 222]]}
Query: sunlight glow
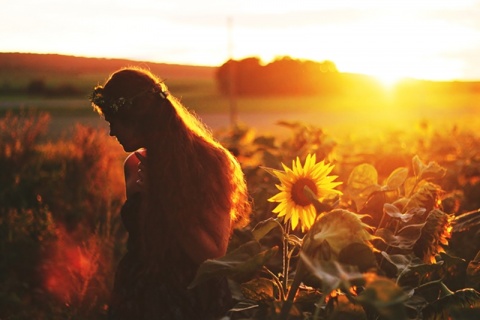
{"points": [[436, 40], [390, 42]]}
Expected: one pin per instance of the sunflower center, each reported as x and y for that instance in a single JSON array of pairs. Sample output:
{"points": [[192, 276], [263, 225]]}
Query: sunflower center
{"points": [[298, 196]]}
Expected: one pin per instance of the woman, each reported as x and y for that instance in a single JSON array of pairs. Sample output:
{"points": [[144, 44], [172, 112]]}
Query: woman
{"points": [[185, 194]]}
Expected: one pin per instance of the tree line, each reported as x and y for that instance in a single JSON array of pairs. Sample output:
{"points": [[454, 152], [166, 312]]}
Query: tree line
{"points": [[282, 76]]}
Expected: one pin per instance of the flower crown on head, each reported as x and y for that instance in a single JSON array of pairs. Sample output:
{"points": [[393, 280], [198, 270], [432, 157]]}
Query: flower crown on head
{"points": [[105, 102]]}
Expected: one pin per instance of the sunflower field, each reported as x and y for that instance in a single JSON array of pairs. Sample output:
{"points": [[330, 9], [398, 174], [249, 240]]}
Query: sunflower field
{"points": [[388, 229], [378, 227]]}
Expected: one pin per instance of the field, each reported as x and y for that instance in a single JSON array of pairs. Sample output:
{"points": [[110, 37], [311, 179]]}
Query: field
{"points": [[405, 104], [338, 113], [408, 157]]}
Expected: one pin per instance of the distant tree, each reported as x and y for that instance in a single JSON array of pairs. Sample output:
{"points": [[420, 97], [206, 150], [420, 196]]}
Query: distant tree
{"points": [[66, 89], [36, 87], [283, 76]]}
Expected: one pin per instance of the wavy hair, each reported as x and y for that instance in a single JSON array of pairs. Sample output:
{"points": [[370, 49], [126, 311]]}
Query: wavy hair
{"points": [[191, 176]]}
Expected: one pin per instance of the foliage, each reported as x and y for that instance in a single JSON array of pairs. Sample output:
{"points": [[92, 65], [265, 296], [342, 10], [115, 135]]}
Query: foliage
{"points": [[416, 193], [284, 76], [407, 270], [59, 224]]}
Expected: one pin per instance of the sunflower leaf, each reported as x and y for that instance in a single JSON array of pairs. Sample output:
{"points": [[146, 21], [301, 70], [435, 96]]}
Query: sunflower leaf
{"points": [[362, 182], [402, 261], [385, 296], [427, 172], [239, 264], [295, 240], [271, 171], [396, 179], [259, 289], [462, 304], [473, 272], [405, 237], [418, 165], [264, 227], [332, 274]]}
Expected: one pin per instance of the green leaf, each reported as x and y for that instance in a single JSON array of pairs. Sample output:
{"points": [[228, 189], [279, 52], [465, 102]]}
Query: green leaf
{"points": [[241, 264], [409, 185], [396, 178], [362, 182], [385, 296], [359, 255], [418, 166], [295, 240], [405, 237], [433, 171], [394, 212], [466, 221], [473, 272], [460, 303], [423, 196], [427, 172], [332, 274], [259, 289], [402, 261], [243, 306], [363, 176], [416, 211], [264, 227], [271, 171], [429, 291]]}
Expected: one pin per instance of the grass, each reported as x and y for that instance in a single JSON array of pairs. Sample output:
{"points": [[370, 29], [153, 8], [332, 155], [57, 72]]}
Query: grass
{"points": [[362, 111]]}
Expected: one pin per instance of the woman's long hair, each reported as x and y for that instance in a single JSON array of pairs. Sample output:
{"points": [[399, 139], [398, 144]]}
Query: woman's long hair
{"points": [[192, 179]]}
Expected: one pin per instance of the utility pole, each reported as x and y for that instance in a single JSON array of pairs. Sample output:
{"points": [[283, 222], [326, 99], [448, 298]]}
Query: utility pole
{"points": [[232, 72]]}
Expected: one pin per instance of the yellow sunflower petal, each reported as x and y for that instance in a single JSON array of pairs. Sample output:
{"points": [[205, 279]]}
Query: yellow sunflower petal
{"points": [[308, 220], [309, 162], [294, 219], [321, 170], [278, 197], [298, 213], [298, 167], [280, 207], [279, 174]]}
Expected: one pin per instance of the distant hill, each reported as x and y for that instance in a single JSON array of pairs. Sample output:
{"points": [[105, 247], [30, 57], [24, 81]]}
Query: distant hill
{"points": [[63, 64], [18, 70]]}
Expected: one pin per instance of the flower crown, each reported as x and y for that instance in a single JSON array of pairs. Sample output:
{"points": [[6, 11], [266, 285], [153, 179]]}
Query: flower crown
{"points": [[105, 102]]}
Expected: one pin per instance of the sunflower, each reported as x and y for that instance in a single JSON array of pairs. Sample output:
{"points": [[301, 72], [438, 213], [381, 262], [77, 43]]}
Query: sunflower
{"points": [[295, 206], [435, 235]]}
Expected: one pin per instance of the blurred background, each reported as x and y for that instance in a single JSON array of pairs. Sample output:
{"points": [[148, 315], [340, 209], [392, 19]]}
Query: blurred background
{"points": [[352, 81]]}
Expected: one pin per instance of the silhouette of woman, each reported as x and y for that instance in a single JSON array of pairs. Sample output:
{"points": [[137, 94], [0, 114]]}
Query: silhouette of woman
{"points": [[185, 194]]}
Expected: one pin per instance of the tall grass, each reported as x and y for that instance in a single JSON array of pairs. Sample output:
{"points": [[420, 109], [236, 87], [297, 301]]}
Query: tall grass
{"points": [[61, 233]]}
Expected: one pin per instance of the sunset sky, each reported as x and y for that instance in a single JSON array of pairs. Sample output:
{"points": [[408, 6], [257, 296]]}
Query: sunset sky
{"points": [[438, 40]]}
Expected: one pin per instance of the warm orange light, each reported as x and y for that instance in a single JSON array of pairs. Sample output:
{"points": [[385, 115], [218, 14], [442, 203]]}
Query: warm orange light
{"points": [[69, 268]]}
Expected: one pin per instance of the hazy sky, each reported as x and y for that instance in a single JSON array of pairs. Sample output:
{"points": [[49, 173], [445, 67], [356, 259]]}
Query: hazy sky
{"points": [[424, 39]]}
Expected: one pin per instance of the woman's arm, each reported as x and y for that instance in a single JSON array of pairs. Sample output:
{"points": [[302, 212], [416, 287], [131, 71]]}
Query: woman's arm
{"points": [[207, 241], [131, 167]]}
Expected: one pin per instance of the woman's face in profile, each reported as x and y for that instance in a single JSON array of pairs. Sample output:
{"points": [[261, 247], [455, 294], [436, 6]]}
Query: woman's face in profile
{"points": [[125, 132]]}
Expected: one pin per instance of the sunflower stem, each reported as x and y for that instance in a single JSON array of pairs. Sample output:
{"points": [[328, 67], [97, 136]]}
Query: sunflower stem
{"points": [[318, 307], [277, 282], [286, 260], [292, 291]]}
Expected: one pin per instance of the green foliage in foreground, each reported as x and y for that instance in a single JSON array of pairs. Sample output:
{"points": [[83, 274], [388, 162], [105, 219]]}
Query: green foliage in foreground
{"points": [[61, 236], [415, 267]]}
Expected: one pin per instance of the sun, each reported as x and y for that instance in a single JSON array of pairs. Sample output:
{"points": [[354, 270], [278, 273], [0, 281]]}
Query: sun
{"points": [[389, 79], [294, 205], [396, 45]]}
